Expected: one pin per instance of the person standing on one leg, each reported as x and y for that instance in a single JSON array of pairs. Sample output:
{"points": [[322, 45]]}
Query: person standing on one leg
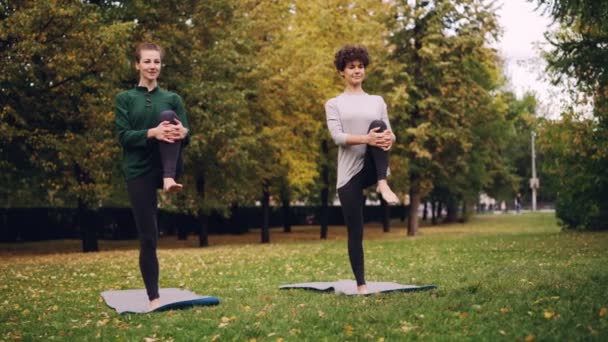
{"points": [[152, 129], [359, 125]]}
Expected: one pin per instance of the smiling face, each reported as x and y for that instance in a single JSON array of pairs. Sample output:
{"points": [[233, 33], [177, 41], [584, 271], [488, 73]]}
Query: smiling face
{"points": [[149, 66], [354, 73]]}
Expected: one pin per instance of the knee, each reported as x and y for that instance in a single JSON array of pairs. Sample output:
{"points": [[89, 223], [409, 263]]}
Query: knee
{"points": [[378, 123], [167, 115]]}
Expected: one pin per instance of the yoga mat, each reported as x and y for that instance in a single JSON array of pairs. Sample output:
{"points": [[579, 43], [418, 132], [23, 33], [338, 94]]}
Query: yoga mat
{"points": [[136, 301], [349, 287]]}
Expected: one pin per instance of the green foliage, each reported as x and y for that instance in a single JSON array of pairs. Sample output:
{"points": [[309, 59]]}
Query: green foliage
{"points": [[57, 76], [573, 158], [443, 81], [579, 153], [503, 277]]}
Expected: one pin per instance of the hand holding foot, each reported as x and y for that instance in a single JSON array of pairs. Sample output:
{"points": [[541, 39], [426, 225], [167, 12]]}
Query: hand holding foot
{"points": [[386, 192], [169, 185]]}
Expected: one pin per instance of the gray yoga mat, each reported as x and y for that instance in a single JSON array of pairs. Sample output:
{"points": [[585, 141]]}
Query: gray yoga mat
{"points": [[349, 287], [136, 301]]}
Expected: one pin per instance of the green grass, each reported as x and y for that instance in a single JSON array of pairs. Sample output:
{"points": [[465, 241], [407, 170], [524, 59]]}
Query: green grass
{"points": [[502, 277]]}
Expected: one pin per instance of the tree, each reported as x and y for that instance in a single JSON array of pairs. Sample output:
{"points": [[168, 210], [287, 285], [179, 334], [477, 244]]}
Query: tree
{"points": [[443, 72], [578, 53], [58, 75]]}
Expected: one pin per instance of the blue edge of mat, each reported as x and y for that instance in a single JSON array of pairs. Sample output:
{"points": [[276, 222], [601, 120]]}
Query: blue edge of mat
{"points": [[207, 301], [331, 288]]}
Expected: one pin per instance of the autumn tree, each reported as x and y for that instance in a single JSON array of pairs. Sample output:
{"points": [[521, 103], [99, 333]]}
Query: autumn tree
{"points": [[443, 73], [576, 148], [58, 76]]}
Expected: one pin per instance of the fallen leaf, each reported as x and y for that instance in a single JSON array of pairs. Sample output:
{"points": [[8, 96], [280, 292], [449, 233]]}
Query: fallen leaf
{"points": [[603, 312], [549, 314], [407, 326], [530, 338], [504, 310], [348, 330]]}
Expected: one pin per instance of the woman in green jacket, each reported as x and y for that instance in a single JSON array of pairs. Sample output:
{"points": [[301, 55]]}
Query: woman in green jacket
{"points": [[152, 128]]}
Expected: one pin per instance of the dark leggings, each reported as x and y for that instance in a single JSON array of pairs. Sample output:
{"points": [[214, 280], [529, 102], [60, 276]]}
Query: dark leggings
{"points": [[352, 200], [170, 153], [143, 198]]}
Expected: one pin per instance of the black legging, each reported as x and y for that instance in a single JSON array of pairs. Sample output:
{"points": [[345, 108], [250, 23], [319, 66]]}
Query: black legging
{"points": [[143, 198], [351, 197]]}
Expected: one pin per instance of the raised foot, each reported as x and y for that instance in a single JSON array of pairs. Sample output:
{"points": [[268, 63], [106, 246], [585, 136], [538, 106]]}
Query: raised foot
{"points": [[388, 195], [169, 185]]}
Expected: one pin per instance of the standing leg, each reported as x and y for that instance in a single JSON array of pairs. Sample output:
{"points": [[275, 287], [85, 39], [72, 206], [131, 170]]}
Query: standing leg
{"points": [[351, 199], [379, 158], [170, 156], [142, 195]]}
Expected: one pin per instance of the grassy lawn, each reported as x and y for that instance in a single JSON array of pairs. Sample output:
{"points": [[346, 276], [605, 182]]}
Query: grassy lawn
{"points": [[499, 277]]}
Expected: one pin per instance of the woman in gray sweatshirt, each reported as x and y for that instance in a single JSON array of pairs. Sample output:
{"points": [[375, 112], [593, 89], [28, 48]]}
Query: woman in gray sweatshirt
{"points": [[359, 125]]}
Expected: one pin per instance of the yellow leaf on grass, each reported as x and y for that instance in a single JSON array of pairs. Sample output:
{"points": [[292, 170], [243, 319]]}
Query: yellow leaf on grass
{"points": [[530, 338], [348, 330], [603, 312], [549, 314], [504, 310]]}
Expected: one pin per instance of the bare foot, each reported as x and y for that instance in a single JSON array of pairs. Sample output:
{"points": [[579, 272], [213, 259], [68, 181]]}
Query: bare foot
{"points": [[154, 303], [387, 194], [362, 289], [169, 185]]}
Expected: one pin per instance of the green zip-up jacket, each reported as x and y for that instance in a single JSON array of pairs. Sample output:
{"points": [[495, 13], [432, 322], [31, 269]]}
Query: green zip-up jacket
{"points": [[137, 110]]}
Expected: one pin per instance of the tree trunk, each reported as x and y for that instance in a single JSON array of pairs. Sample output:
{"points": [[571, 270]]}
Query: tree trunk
{"points": [[433, 212], [324, 192], [439, 210], [412, 220], [265, 214], [88, 230], [286, 212], [424, 209], [386, 215], [452, 210], [203, 219]]}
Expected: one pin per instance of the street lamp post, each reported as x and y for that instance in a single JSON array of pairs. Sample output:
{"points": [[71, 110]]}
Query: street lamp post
{"points": [[534, 183]]}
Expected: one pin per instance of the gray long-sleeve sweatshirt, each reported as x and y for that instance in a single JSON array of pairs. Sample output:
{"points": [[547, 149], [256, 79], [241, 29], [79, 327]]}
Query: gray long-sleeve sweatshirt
{"points": [[352, 114]]}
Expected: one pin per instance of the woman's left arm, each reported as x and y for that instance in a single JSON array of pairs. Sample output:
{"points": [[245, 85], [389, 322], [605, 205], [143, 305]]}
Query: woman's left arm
{"points": [[384, 117], [182, 116]]}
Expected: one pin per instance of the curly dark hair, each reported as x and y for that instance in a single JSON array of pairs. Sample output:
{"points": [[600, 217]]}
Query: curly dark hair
{"points": [[350, 53]]}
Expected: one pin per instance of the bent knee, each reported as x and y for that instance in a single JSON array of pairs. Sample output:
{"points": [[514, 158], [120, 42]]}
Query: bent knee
{"points": [[167, 115], [378, 124]]}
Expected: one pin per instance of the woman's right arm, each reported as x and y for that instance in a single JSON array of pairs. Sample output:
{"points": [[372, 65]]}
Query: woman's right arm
{"points": [[334, 125], [129, 136]]}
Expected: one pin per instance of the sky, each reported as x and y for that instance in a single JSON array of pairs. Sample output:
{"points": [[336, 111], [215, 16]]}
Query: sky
{"points": [[523, 32]]}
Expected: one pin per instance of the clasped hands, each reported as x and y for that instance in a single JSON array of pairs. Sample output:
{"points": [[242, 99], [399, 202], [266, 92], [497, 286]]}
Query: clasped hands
{"points": [[383, 140], [168, 132]]}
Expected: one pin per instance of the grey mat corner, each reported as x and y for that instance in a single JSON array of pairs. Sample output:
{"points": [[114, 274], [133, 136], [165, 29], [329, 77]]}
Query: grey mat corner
{"points": [[136, 301], [349, 287]]}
